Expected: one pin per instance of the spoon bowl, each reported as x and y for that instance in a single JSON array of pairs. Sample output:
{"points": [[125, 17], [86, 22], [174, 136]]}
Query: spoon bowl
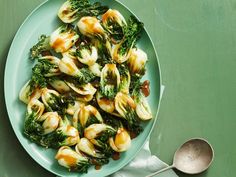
{"points": [[193, 157]]}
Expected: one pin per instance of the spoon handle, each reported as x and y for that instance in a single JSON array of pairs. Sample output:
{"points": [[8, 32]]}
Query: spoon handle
{"points": [[160, 171]]}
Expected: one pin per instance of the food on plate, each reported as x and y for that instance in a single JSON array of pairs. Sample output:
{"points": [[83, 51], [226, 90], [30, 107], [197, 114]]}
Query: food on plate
{"points": [[86, 97]]}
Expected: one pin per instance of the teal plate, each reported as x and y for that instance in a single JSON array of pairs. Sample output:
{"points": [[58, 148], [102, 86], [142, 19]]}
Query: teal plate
{"points": [[43, 20]]}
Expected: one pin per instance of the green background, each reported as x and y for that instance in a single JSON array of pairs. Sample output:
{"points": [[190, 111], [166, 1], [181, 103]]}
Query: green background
{"points": [[195, 41]]}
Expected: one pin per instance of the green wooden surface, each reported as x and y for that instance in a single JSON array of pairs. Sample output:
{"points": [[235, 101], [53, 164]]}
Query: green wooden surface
{"points": [[195, 41]]}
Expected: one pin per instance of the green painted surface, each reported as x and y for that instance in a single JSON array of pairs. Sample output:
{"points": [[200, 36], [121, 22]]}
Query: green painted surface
{"points": [[196, 43]]}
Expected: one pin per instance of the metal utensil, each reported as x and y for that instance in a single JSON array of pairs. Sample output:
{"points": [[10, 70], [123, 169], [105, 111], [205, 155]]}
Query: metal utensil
{"points": [[193, 157]]}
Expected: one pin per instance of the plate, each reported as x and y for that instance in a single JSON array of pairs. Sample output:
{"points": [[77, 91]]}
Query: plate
{"points": [[43, 20]]}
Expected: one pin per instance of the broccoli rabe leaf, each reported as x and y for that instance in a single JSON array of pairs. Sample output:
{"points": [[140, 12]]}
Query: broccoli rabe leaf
{"points": [[42, 46]]}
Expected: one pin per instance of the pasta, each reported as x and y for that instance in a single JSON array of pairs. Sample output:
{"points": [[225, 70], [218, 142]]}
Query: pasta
{"points": [[85, 96]]}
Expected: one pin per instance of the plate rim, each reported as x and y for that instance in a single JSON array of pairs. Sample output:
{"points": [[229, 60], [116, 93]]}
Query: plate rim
{"points": [[8, 105]]}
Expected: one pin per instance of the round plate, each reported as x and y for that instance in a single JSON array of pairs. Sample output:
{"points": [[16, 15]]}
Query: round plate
{"points": [[43, 20]]}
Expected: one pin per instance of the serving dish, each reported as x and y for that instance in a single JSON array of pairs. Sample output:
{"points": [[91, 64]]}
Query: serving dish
{"points": [[43, 20]]}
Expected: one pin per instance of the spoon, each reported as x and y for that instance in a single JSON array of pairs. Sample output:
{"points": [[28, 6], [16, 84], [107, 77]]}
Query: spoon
{"points": [[193, 157]]}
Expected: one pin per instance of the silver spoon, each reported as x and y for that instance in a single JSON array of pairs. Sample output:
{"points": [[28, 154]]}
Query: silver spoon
{"points": [[193, 157]]}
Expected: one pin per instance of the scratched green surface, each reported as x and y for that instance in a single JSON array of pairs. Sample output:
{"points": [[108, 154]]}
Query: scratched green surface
{"points": [[196, 44]]}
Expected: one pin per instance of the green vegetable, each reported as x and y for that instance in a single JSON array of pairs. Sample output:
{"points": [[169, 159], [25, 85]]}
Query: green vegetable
{"points": [[54, 140], [114, 23], [99, 161], [82, 166], [86, 9], [133, 123], [42, 46], [135, 87], [110, 80], [124, 78], [85, 76], [38, 71], [33, 129], [92, 120], [59, 137], [131, 34], [109, 91], [116, 31]]}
